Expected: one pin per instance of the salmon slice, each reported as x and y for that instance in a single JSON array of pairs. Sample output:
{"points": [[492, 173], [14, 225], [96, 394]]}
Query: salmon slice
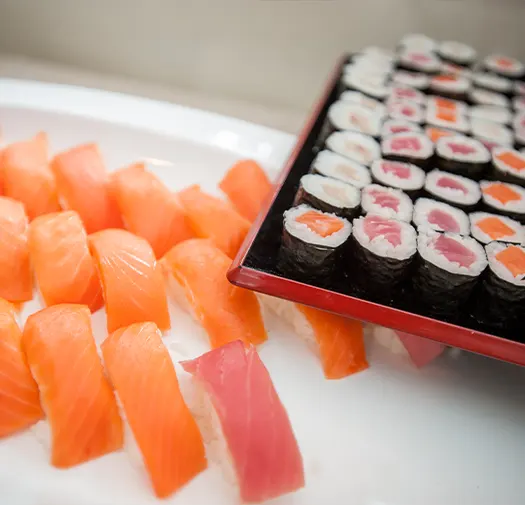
{"points": [[16, 283], [19, 397], [513, 258], [501, 192], [132, 283], [144, 377], [436, 133], [320, 223], [149, 209], [76, 395], [198, 269], [82, 183], [247, 186], [512, 159], [495, 228], [63, 266], [215, 219]]}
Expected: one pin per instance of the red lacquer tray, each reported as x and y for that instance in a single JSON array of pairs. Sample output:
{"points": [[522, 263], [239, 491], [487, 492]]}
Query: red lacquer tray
{"points": [[254, 265]]}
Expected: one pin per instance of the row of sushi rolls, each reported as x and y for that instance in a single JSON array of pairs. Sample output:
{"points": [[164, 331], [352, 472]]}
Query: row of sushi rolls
{"points": [[416, 190]]}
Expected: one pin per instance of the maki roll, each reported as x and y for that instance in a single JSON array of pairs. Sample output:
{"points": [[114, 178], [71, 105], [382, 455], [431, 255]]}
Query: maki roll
{"points": [[454, 87], [371, 86], [448, 267], [438, 216], [387, 202], [406, 176], [453, 189], [491, 131], [478, 96], [418, 42], [419, 61], [410, 147], [486, 228], [382, 252], [404, 93], [391, 126], [504, 66], [434, 134], [312, 243], [462, 155], [492, 82], [518, 103], [457, 53], [355, 146], [349, 116], [493, 113], [329, 195], [508, 165], [411, 79], [358, 98], [409, 111], [448, 118], [341, 168], [504, 198]]}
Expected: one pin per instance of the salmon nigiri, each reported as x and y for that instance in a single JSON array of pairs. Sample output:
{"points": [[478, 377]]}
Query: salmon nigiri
{"points": [[212, 218], [19, 397], [144, 377], [63, 266], [252, 421], [82, 183], [76, 395], [149, 209], [247, 186], [27, 176], [132, 283], [16, 283]]}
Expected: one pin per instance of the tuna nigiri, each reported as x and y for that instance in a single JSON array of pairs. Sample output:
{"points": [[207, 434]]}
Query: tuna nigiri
{"points": [[19, 397], [142, 372], [149, 209], [27, 176], [16, 283], [196, 269], [252, 421], [247, 186], [212, 218], [82, 184], [76, 396], [63, 266], [132, 283]]}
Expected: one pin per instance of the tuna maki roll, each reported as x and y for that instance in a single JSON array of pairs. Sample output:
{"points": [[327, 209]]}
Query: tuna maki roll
{"points": [[404, 93], [453, 189], [457, 53], [508, 165], [462, 155], [364, 101], [455, 87], [387, 202], [355, 146], [438, 216], [406, 110], [349, 116], [491, 131], [391, 126], [410, 147], [478, 96], [411, 79], [504, 198], [486, 228], [492, 82], [341, 168], [504, 66], [493, 113], [419, 61], [405, 176]]}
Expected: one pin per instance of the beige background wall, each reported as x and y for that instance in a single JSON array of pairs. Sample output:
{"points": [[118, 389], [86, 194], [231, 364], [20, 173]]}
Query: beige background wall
{"points": [[276, 52]]}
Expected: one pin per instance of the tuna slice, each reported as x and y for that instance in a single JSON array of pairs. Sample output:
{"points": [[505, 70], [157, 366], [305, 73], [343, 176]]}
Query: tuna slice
{"points": [[385, 199], [443, 220], [376, 226], [448, 182], [454, 251], [400, 170]]}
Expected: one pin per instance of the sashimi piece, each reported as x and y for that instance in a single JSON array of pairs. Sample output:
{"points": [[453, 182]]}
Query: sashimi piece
{"points": [[495, 228], [76, 395], [375, 226], [502, 192], [247, 186], [16, 283], [141, 370], [448, 182], [385, 199], [149, 209], [454, 251], [320, 223], [27, 176], [215, 219], [252, 420], [398, 169], [513, 258], [196, 269], [19, 397], [64, 269], [132, 283], [443, 220], [82, 183]]}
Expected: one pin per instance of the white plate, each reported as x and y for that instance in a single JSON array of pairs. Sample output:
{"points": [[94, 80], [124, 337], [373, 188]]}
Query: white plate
{"points": [[452, 433]]}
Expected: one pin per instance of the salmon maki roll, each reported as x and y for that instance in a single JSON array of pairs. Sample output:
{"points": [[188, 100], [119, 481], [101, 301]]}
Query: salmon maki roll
{"points": [[247, 186], [63, 266], [212, 218], [19, 397], [164, 224], [141, 369], [82, 183], [76, 395], [16, 282], [196, 274], [132, 283], [27, 176]]}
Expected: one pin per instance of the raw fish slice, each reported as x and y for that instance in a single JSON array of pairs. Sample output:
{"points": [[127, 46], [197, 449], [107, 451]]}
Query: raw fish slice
{"points": [[247, 186], [149, 209], [142, 372], [75, 393], [215, 219], [253, 421], [82, 183], [63, 266], [198, 269], [19, 397], [16, 283], [132, 283]]}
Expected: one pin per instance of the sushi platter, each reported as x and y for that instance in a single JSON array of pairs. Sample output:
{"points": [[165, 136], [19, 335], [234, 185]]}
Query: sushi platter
{"points": [[403, 202]]}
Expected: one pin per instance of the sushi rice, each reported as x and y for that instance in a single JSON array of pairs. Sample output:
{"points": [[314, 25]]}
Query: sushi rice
{"points": [[355, 146], [411, 79], [339, 167], [350, 116], [404, 176], [486, 228], [369, 85], [491, 113], [489, 130], [492, 82], [439, 216], [479, 96], [504, 65], [387, 202], [364, 101], [392, 126], [455, 189], [457, 52]]}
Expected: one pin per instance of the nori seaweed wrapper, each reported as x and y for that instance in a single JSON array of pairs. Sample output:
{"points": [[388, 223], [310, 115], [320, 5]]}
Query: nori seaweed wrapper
{"points": [[425, 163], [303, 196], [465, 207], [499, 175], [485, 207], [474, 171]]}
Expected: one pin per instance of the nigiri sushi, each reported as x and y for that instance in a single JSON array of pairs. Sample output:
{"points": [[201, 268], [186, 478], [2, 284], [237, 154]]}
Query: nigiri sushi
{"points": [[82, 183], [19, 397], [76, 395], [247, 186], [251, 420], [16, 282], [132, 283], [149, 209], [144, 377]]}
